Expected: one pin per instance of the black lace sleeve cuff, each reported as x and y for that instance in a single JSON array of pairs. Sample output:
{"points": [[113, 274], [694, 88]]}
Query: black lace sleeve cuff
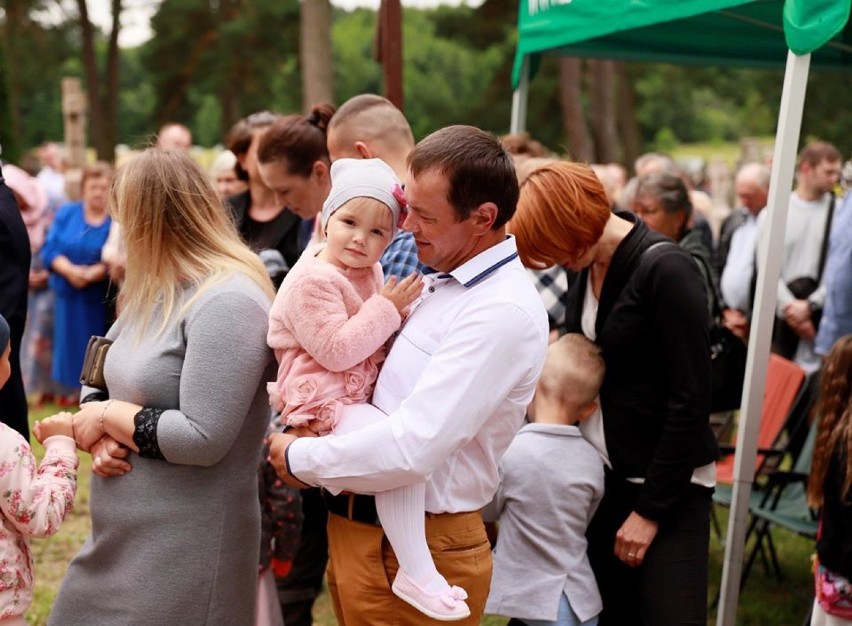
{"points": [[145, 433], [95, 396]]}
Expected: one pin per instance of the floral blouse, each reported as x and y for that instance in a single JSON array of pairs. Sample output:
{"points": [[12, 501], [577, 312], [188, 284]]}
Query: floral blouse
{"points": [[33, 503]]}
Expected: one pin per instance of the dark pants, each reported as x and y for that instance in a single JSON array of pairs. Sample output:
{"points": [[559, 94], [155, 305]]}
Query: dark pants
{"points": [[298, 591], [670, 587]]}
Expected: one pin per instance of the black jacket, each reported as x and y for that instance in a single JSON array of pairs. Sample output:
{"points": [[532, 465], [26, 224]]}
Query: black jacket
{"points": [[652, 328], [834, 546], [14, 282], [282, 232]]}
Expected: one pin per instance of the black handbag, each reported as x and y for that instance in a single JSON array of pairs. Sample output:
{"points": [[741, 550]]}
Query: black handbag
{"points": [[727, 351], [728, 355], [92, 374]]}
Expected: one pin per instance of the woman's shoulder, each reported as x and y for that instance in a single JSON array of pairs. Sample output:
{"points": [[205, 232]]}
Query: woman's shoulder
{"points": [[235, 290]]}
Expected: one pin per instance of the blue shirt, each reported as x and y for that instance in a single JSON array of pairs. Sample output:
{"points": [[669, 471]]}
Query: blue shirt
{"points": [[400, 258], [837, 314]]}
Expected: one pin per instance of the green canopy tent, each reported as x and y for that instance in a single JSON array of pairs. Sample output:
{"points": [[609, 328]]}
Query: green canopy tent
{"points": [[728, 32]]}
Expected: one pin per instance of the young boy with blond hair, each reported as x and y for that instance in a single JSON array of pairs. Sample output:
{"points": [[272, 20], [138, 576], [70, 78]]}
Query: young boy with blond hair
{"points": [[551, 482]]}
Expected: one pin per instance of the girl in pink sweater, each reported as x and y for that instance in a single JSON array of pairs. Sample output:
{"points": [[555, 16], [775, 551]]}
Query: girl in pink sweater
{"points": [[33, 500], [328, 326]]}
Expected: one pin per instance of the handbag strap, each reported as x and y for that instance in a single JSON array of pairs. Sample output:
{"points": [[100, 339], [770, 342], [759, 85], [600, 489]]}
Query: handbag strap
{"points": [[714, 288], [823, 253]]}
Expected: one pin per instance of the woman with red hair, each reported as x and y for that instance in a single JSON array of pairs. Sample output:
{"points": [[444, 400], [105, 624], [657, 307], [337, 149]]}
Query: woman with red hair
{"points": [[639, 298]]}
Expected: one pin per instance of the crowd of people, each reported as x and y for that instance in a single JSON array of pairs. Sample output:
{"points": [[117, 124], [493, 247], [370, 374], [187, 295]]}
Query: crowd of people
{"points": [[448, 378]]}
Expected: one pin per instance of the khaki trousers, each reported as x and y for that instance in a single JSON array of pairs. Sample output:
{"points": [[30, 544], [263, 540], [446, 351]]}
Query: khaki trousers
{"points": [[362, 567]]}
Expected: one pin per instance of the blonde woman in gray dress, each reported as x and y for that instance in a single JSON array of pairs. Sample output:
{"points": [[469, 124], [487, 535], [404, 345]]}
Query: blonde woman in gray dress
{"points": [[175, 440]]}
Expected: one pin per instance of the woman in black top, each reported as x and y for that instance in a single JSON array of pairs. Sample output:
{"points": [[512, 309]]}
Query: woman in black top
{"points": [[639, 296], [264, 222], [830, 483]]}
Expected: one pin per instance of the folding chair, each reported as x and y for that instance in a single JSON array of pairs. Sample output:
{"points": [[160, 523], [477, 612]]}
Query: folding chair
{"points": [[785, 406], [784, 504]]}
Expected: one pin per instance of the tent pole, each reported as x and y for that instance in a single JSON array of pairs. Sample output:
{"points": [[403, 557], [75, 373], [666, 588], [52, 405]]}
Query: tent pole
{"points": [[771, 252], [519, 99]]}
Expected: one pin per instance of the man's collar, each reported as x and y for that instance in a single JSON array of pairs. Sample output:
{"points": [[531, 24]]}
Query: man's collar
{"points": [[485, 263]]}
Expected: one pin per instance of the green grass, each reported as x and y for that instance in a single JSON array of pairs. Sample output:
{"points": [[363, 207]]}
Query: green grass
{"points": [[763, 602], [729, 152]]}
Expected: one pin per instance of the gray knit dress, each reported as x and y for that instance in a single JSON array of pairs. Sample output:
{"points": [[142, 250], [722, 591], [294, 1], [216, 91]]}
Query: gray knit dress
{"points": [[175, 540]]}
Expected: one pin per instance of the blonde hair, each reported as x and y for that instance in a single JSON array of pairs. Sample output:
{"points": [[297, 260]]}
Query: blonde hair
{"points": [[177, 233], [573, 371]]}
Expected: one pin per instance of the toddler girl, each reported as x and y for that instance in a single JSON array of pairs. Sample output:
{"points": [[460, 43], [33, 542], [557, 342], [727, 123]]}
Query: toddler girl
{"points": [[830, 488], [33, 502], [328, 326]]}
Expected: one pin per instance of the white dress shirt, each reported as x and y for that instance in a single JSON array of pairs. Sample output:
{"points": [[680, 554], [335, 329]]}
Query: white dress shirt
{"points": [[455, 387], [739, 267]]}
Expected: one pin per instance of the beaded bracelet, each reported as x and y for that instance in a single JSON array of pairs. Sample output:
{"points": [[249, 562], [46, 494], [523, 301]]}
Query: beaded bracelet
{"points": [[103, 414]]}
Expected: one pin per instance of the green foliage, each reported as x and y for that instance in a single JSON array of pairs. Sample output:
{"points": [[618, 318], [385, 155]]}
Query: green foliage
{"points": [[230, 50], [36, 58], [214, 61], [444, 79]]}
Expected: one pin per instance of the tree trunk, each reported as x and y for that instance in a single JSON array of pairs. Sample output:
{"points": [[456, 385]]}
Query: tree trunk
{"points": [[110, 105], [93, 83], [390, 50], [602, 104], [14, 23], [579, 144], [627, 116], [315, 53]]}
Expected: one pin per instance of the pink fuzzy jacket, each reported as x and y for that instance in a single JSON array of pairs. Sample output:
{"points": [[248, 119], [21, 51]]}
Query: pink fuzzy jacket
{"points": [[328, 327]]}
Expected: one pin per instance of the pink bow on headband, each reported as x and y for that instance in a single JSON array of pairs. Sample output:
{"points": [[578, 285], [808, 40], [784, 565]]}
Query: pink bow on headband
{"points": [[399, 196]]}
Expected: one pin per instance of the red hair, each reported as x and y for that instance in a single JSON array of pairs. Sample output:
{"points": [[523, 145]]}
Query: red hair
{"points": [[561, 213]]}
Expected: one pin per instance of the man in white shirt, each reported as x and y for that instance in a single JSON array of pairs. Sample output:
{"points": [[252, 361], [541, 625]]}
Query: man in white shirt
{"points": [[752, 188], [804, 240], [454, 387]]}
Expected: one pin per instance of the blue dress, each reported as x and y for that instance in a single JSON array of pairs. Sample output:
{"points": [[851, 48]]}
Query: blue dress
{"points": [[78, 313]]}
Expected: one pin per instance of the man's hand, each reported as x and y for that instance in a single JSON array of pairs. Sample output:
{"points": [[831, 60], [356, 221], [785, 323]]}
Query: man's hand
{"points": [[797, 313], [737, 322], [634, 538], [278, 444]]}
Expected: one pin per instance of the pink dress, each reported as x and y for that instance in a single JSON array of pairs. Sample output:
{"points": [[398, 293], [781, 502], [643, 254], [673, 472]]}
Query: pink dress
{"points": [[33, 503], [328, 327]]}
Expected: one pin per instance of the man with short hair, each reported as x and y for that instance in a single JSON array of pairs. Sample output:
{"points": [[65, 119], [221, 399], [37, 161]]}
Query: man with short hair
{"points": [[369, 126], [174, 136], [801, 292], [454, 387], [737, 247]]}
